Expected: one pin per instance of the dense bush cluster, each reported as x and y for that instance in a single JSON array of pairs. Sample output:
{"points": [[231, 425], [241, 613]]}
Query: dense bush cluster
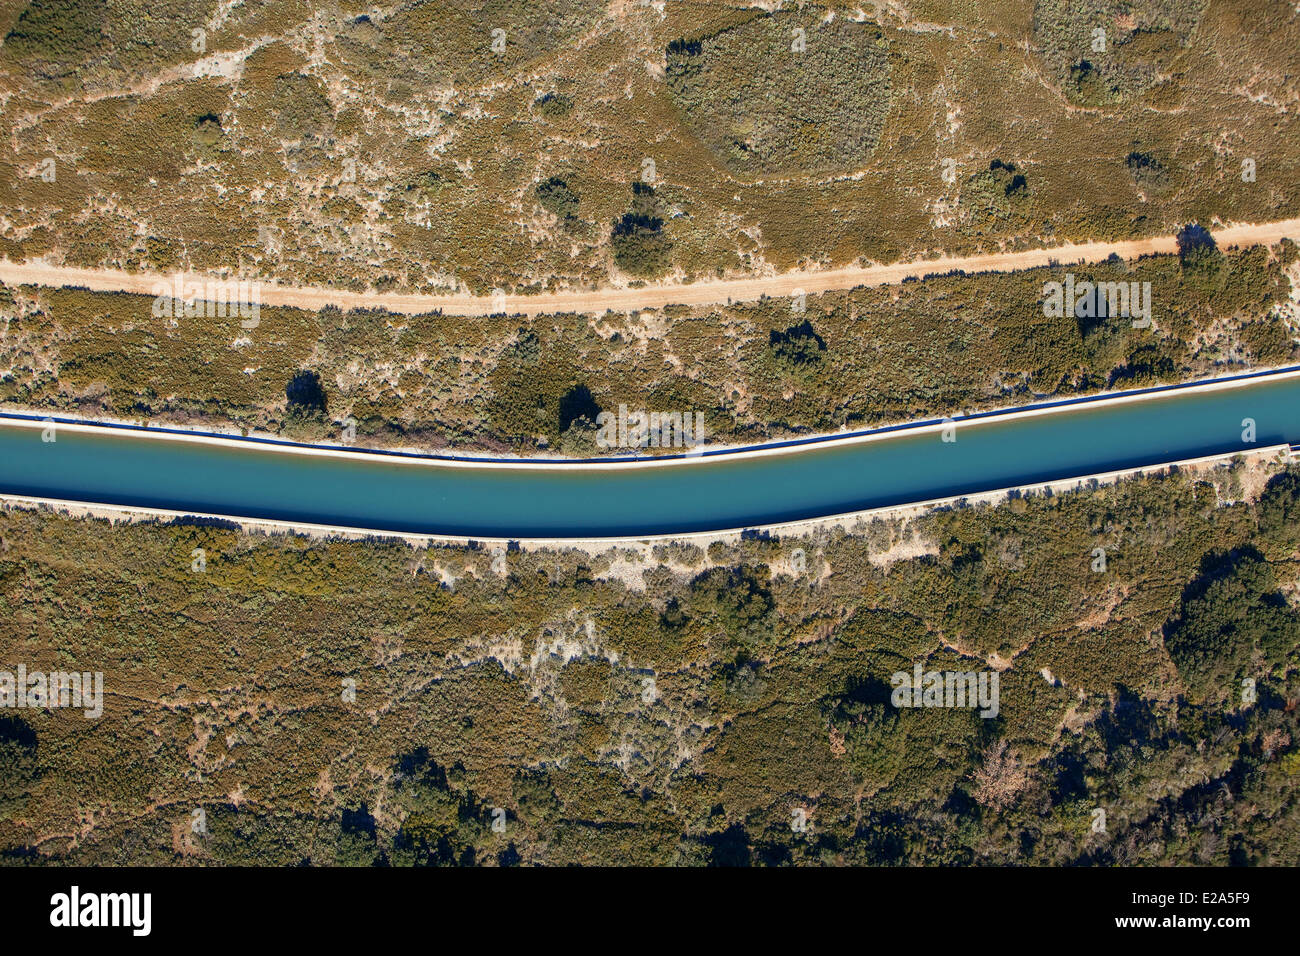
{"points": [[641, 248], [784, 91], [1139, 44]]}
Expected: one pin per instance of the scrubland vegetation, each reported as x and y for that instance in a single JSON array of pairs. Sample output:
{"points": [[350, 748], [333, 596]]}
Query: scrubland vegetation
{"points": [[784, 92], [755, 371], [683, 719], [408, 148], [1139, 50], [374, 702]]}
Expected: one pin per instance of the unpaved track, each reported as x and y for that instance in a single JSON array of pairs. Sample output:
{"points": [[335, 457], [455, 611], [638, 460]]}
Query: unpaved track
{"points": [[711, 292]]}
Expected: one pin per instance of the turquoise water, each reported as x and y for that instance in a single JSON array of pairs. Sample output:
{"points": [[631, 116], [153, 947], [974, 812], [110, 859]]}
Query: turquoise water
{"points": [[253, 480]]}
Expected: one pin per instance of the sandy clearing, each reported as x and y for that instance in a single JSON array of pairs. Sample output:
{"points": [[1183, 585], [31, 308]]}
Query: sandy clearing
{"points": [[704, 293]]}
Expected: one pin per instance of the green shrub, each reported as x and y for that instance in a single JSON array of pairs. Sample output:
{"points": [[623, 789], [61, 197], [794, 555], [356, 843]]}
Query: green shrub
{"points": [[1231, 624], [556, 197]]}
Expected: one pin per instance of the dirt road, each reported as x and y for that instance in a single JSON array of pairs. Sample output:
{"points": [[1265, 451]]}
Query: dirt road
{"points": [[711, 292]]}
